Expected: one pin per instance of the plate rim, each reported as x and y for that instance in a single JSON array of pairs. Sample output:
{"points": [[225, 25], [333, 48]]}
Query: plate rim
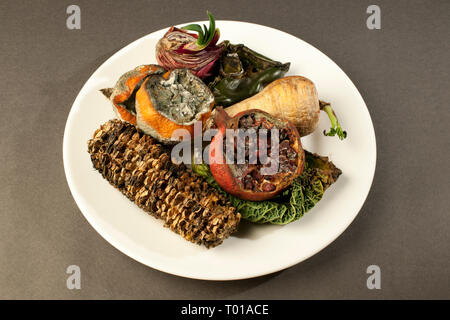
{"points": [[155, 265]]}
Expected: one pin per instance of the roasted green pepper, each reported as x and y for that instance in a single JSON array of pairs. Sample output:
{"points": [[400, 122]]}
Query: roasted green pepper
{"points": [[243, 73]]}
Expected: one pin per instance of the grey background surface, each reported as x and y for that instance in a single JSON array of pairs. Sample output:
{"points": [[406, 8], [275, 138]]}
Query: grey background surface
{"points": [[402, 72]]}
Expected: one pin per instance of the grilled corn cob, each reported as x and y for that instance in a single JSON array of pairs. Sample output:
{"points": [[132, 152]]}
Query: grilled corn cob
{"points": [[143, 171]]}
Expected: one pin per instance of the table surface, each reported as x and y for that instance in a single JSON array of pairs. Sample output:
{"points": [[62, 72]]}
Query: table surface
{"points": [[401, 70]]}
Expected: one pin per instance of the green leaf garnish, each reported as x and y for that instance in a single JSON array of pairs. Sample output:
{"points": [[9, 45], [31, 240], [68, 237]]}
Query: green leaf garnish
{"points": [[196, 28], [212, 27], [206, 34]]}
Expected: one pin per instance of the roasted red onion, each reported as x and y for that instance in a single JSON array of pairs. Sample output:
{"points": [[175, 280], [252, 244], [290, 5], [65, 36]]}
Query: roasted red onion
{"points": [[180, 49]]}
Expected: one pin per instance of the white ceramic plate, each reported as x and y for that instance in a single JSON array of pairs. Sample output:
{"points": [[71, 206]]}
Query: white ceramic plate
{"points": [[254, 250]]}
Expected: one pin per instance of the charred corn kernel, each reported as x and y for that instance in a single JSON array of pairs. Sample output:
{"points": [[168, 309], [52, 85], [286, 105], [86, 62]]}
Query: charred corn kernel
{"points": [[141, 169]]}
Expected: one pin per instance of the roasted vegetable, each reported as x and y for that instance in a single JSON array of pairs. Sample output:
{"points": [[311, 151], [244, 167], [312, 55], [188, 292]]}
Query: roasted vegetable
{"points": [[180, 49], [205, 36], [243, 73], [123, 94], [260, 159], [142, 170], [292, 204], [174, 100], [295, 99]]}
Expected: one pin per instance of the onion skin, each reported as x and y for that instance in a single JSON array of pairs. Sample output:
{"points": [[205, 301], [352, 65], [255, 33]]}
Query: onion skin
{"points": [[173, 51]]}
